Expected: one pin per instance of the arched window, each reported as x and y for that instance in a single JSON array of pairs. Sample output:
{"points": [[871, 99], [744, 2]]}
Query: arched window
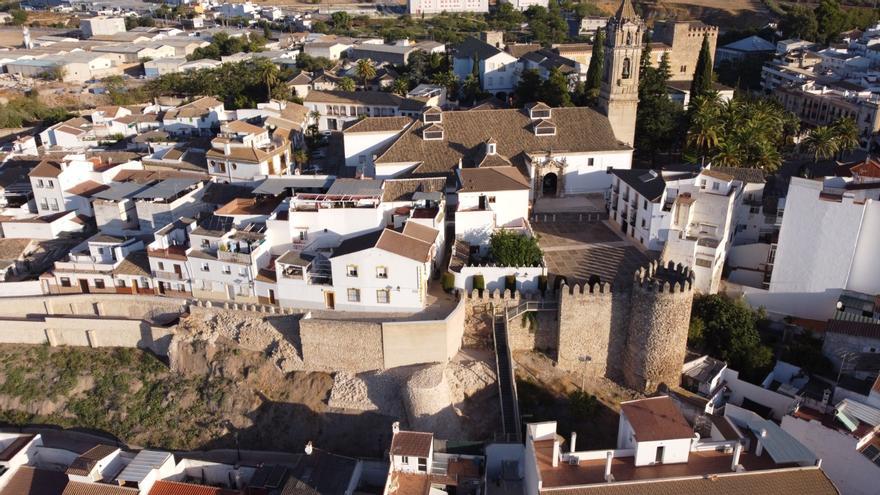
{"points": [[626, 68], [629, 39]]}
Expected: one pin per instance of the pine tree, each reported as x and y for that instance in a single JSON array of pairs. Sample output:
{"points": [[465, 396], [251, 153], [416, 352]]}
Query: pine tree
{"points": [[597, 66], [702, 82]]}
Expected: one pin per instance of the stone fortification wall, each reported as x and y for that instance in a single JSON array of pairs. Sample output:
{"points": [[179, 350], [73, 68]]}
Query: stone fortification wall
{"points": [[522, 336], [658, 327], [332, 345], [592, 326]]}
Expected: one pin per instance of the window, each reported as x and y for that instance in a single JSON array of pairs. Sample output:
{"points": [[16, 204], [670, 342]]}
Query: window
{"points": [[44, 204], [491, 199], [381, 272], [643, 224], [626, 73], [433, 117], [383, 296], [351, 270], [99, 283], [205, 244], [434, 135], [591, 161], [703, 184], [50, 184], [65, 282], [234, 166], [39, 182], [227, 269], [205, 267], [362, 159], [354, 295], [644, 204], [243, 271], [302, 235], [161, 266], [54, 204], [683, 69], [716, 186], [120, 283]]}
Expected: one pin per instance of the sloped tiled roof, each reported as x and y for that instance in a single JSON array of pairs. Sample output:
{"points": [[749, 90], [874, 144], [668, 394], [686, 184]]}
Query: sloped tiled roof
{"points": [[655, 419], [412, 443], [578, 129], [492, 179], [420, 232]]}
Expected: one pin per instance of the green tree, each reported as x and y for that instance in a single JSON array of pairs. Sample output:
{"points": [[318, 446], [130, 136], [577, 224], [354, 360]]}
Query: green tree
{"points": [[346, 84], [830, 19], [365, 70], [509, 248], [800, 22], [341, 20], [268, 73], [702, 82], [846, 134], [400, 86], [657, 117], [19, 17], [528, 86], [596, 68], [555, 90], [730, 332], [822, 143]]}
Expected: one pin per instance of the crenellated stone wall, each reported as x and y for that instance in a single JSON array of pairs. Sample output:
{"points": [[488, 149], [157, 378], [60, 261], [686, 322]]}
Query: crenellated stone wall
{"points": [[635, 335]]}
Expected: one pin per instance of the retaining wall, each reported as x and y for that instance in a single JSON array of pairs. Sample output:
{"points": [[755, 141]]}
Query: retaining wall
{"points": [[86, 332]]}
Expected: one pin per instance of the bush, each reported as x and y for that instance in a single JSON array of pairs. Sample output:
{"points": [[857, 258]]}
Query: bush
{"points": [[583, 405], [479, 283], [510, 283], [508, 248], [448, 281]]}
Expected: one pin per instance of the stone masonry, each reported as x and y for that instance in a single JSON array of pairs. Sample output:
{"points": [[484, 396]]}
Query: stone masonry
{"points": [[636, 336]]}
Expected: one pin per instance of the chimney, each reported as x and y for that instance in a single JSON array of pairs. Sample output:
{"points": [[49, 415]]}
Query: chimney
{"points": [[574, 437], [555, 462], [395, 427], [459, 163], [737, 450], [760, 448], [227, 148], [608, 457]]}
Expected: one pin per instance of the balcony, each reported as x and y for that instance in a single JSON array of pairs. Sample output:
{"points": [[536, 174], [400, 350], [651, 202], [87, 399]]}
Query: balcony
{"points": [[167, 275], [244, 258]]}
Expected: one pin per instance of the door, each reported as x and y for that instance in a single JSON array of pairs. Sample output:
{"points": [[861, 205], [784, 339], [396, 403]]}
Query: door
{"points": [[658, 459], [272, 296], [230, 292], [84, 286], [330, 299], [178, 271], [161, 287]]}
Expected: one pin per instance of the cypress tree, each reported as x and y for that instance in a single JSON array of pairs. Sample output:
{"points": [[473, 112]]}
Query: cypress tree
{"points": [[597, 66], [702, 82]]}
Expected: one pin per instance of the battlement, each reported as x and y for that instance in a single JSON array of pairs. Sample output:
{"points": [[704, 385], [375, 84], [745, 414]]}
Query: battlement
{"points": [[587, 288], [671, 278]]}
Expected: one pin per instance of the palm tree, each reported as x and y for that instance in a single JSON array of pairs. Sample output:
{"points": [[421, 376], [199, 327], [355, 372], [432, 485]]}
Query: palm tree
{"points": [[300, 157], [345, 84], [268, 73], [365, 70], [400, 86], [706, 124], [822, 141], [846, 135]]}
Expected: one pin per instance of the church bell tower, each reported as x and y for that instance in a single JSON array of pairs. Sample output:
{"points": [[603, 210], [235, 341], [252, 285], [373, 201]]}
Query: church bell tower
{"points": [[619, 95]]}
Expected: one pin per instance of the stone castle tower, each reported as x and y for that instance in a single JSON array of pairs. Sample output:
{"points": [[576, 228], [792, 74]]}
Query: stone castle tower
{"points": [[619, 95], [636, 336]]}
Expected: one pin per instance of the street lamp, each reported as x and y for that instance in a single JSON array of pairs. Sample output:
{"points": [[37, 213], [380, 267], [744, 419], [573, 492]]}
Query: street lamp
{"points": [[586, 360]]}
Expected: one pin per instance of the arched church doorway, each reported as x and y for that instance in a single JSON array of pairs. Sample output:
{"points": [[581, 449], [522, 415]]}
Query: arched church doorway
{"points": [[549, 184]]}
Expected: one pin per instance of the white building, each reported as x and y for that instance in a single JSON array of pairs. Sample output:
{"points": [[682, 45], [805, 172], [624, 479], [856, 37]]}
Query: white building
{"points": [[335, 109], [496, 68], [490, 198], [201, 117], [847, 440], [658, 452], [243, 151], [562, 150], [820, 217], [101, 26], [438, 6]]}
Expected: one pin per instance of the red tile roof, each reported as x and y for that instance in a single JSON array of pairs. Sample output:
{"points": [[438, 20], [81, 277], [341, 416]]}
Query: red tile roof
{"points": [[164, 487], [657, 418], [412, 443]]}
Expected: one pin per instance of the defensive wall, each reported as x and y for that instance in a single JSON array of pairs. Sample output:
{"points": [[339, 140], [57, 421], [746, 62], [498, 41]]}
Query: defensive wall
{"points": [[110, 320], [636, 335]]}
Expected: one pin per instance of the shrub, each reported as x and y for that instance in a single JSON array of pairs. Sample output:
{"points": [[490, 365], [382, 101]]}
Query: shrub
{"points": [[583, 405], [448, 281], [511, 249], [479, 283], [510, 283]]}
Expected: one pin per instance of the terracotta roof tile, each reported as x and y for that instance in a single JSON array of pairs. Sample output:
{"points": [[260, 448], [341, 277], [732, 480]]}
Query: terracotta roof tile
{"points": [[163, 487], [420, 232], [46, 168], [404, 245], [78, 488], [84, 464], [30, 481], [412, 443], [492, 179], [657, 418]]}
